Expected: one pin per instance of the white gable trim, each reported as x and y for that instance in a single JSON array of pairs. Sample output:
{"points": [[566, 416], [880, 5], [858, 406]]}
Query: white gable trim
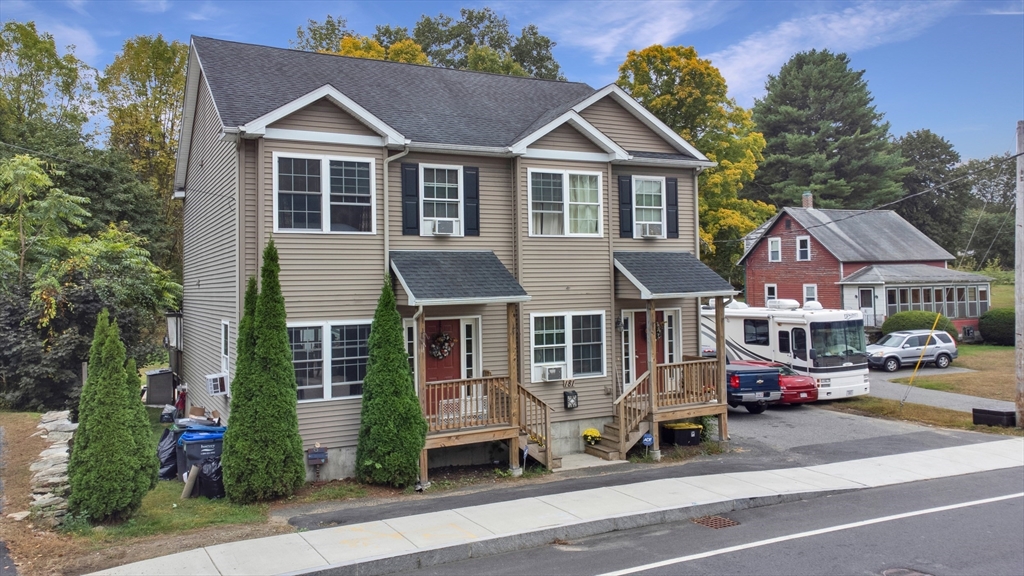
{"points": [[643, 115], [544, 154], [327, 137], [576, 121], [259, 125]]}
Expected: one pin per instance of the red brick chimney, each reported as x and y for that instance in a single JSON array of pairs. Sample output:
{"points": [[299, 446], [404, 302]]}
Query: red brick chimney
{"points": [[808, 199]]}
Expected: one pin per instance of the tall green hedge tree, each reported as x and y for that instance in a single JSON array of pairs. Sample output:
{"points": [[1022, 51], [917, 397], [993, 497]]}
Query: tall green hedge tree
{"points": [[392, 431], [263, 449], [113, 458]]}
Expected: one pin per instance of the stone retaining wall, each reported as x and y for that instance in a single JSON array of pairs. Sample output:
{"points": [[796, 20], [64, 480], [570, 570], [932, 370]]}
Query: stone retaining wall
{"points": [[50, 486]]}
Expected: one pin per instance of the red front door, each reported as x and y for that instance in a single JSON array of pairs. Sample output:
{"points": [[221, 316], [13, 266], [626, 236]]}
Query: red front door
{"points": [[449, 367], [640, 341]]}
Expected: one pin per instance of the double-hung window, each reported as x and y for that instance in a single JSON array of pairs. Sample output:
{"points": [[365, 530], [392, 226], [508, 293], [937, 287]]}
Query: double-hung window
{"points": [[441, 198], [775, 249], [315, 193], [329, 359], [803, 248], [573, 339], [771, 292], [648, 207], [564, 203], [810, 292]]}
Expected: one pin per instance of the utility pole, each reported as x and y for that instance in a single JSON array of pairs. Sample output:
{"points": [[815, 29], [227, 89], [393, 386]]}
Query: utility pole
{"points": [[1018, 284]]}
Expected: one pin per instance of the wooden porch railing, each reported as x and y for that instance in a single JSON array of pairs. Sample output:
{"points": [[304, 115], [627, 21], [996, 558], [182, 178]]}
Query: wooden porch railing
{"points": [[692, 381], [535, 420], [632, 407], [474, 402]]}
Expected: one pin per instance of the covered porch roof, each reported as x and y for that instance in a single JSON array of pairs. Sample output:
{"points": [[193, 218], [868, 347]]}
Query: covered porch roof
{"points": [[911, 274], [671, 275], [455, 277]]}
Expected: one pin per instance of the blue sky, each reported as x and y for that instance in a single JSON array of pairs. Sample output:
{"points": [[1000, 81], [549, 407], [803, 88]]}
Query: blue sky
{"points": [[956, 68]]}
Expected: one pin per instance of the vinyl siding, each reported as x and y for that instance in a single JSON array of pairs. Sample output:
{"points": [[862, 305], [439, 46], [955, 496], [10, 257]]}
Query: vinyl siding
{"points": [[323, 116], [210, 255], [620, 125], [250, 252], [564, 274], [687, 240], [565, 137]]}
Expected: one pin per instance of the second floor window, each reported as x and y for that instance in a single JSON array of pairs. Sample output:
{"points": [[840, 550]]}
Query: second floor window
{"points": [[775, 250], [803, 248], [324, 194], [649, 207], [441, 197], [565, 204]]}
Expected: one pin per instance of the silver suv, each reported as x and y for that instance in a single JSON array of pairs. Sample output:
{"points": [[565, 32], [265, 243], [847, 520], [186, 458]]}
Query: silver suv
{"points": [[905, 347]]}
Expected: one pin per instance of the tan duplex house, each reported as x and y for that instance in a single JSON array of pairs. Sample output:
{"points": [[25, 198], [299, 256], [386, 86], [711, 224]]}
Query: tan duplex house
{"points": [[539, 235]]}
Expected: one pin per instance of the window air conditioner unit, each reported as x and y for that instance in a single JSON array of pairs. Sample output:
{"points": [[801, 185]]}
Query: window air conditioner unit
{"points": [[444, 227], [553, 373], [217, 384], [651, 230]]}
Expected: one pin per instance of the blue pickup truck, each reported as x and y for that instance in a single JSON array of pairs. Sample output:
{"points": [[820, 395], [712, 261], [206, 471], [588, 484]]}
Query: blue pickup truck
{"points": [[752, 387]]}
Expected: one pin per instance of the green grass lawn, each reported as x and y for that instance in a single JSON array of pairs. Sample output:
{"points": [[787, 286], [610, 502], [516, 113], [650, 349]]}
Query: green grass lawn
{"points": [[1002, 295], [993, 375]]}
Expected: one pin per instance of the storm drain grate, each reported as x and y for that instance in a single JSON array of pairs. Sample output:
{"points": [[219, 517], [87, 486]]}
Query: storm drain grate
{"points": [[715, 522]]}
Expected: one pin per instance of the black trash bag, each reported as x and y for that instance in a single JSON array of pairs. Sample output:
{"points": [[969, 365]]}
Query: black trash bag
{"points": [[168, 459], [211, 479]]}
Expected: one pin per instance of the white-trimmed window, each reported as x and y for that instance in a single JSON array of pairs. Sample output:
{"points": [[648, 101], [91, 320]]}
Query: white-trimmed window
{"points": [[775, 249], [771, 292], [810, 292], [565, 203], [573, 339], [441, 197], [318, 193], [648, 205], [803, 248], [329, 358]]}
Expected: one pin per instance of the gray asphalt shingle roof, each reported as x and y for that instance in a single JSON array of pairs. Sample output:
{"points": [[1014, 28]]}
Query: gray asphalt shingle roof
{"points": [[433, 277], [911, 273], [670, 274], [424, 103], [868, 235]]}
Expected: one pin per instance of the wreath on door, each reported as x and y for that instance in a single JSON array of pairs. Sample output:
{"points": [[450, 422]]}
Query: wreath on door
{"points": [[441, 345]]}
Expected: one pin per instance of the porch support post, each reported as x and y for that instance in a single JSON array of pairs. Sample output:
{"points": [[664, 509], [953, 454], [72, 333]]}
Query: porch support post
{"points": [[421, 382], [512, 317], [723, 417], [653, 384]]}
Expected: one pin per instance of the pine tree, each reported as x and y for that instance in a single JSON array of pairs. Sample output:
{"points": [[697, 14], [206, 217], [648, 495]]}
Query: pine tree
{"points": [[824, 135], [113, 458], [264, 451], [936, 205], [392, 431]]}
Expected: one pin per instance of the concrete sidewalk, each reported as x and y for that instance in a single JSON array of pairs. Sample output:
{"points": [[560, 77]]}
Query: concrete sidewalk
{"points": [[434, 538], [882, 387]]}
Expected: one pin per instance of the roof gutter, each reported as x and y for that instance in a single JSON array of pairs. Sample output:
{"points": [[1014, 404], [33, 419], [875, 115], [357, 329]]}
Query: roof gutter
{"points": [[387, 207], [502, 151]]}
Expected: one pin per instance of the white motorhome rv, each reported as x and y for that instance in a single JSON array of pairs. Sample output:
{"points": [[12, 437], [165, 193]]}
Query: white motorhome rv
{"points": [[827, 345]]}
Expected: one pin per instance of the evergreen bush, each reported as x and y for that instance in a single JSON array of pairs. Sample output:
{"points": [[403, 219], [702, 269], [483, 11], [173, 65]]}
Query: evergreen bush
{"points": [[263, 447], [392, 431], [918, 320], [113, 458], [997, 326]]}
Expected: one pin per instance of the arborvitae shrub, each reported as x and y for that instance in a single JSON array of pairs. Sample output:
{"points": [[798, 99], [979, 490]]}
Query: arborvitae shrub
{"points": [[917, 320], [264, 450], [392, 430], [113, 459], [997, 326]]}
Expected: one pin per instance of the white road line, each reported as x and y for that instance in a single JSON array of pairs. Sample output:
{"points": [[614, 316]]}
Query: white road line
{"points": [[808, 534]]}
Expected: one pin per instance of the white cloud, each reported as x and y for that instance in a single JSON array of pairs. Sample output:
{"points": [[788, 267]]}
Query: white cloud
{"points": [[206, 12], [746, 65], [153, 6], [86, 48], [78, 6], [609, 29]]}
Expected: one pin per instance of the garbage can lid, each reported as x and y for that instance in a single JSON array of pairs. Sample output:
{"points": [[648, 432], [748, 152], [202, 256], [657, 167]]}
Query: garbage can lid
{"points": [[158, 371]]}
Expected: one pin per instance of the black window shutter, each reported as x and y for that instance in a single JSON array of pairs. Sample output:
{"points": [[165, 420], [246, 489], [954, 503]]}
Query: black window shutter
{"points": [[672, 207], [625, 206], [471, 210], [411, 199]]}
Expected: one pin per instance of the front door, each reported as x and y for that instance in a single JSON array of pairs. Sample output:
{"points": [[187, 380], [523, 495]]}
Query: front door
{"points": [[867, 305], [640, 341], [444, 352]]}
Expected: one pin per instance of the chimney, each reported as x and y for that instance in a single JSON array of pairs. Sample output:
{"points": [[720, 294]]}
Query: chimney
{"points": [[808, 199]]}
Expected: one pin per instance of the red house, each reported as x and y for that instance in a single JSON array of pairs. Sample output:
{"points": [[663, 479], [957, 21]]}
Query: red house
{"points": [[868, 260]]}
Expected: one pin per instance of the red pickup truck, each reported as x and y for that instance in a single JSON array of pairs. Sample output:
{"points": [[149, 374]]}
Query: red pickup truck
{"points": [[796, 388]]}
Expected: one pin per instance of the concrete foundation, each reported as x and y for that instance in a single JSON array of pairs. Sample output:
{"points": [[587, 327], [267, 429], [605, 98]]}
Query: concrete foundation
{"points": [[341, 463], [567, 437]]}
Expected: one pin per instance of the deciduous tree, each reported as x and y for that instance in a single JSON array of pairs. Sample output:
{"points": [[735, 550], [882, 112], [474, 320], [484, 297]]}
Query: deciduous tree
{"points": [[690, 95], [406, 50], [824, 134], [320, 36]]}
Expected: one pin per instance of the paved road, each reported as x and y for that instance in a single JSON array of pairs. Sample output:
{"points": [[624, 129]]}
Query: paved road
{"points": [[781, 437], [6, 564], [981, 538], [883, 388]]}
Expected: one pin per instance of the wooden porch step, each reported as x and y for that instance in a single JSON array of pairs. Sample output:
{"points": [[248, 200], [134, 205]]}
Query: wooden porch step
{"points": [[602, 451]]}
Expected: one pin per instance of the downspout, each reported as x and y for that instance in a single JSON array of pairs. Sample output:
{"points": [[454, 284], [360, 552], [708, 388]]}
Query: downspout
{"points": [[387, 209]]}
